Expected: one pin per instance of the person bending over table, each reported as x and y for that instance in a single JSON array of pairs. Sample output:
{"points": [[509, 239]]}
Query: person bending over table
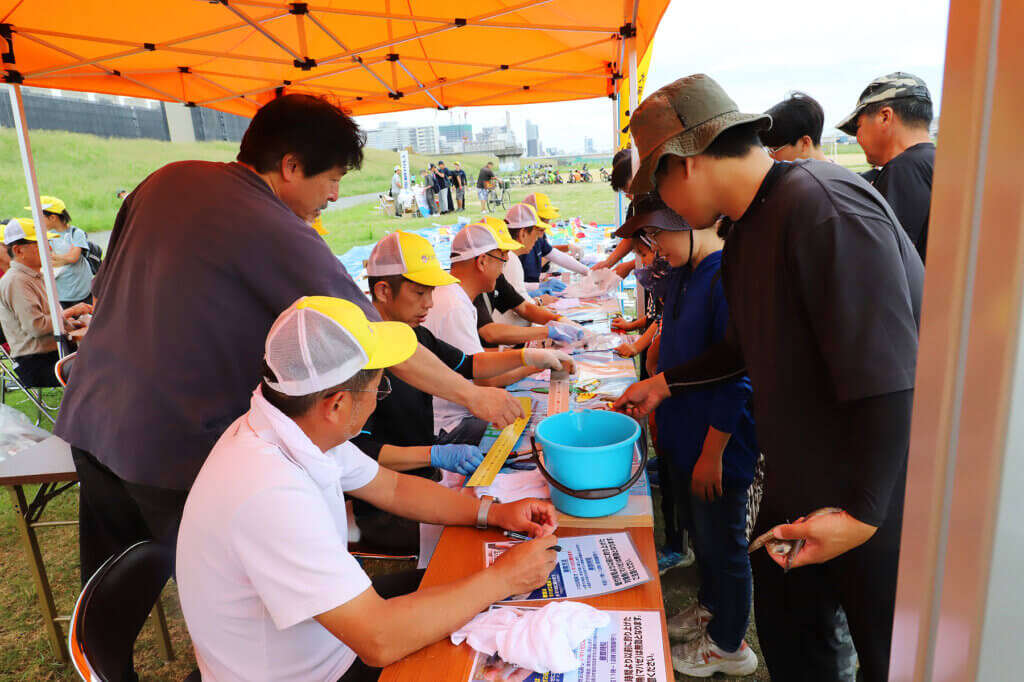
{"points": [[268, 588], [508, 299], [525, 227], [144, 406], [403, 272], [478, 253]]}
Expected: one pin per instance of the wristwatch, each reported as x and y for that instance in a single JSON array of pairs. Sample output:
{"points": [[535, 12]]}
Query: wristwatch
{"points": [[483, 509]]}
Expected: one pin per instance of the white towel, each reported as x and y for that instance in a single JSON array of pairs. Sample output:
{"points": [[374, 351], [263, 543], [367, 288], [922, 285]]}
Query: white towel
{"points": [[540, 640]]}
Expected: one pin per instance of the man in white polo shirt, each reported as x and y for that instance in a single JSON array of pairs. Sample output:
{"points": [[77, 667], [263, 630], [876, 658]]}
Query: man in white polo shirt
{"points": [[268, 588], [478, 255]]}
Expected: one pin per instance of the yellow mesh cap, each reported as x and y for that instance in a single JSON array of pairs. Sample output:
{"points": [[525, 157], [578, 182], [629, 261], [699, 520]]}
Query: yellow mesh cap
{"points": [[50, 204], [500, 230], [320, 342], [22, 228], [409, 255], [542, 203], [524, 215]]}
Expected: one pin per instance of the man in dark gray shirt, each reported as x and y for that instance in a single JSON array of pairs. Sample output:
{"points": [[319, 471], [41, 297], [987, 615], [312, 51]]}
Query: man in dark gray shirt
{"points": [[202, 259]]}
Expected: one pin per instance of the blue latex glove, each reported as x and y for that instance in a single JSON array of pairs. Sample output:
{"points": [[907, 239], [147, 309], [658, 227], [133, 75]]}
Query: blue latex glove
{"points": [[456, 457], [553, 287], [564, 331]]}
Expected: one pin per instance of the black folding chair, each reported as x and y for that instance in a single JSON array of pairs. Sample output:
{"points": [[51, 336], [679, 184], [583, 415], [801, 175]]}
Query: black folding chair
{"points": [[112, 609]]}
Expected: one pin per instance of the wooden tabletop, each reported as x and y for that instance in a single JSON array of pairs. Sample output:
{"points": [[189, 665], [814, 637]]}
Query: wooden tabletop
{"points": [[461, 553], [46, 462]]}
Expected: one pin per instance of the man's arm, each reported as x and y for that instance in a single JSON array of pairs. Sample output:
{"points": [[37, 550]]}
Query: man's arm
{"points": [[507, 378], [495, 334], [32, 313], [381, 631], [534, 313], [566, 261], [427, 373]]}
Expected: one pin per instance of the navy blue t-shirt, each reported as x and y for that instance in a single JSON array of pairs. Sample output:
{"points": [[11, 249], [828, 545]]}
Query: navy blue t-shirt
{"points": [[532, 261], [694, 318]]}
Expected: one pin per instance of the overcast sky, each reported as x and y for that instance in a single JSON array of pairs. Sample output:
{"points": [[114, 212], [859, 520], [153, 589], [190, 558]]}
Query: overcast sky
{"points": [[759, 51]]}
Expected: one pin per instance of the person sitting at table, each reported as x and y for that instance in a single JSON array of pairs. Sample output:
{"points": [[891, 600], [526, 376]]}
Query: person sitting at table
{"points": [[507, 299], [533, 261], [478, 253], [268, 588], [526, 228], [25, 311], [403, 272]]}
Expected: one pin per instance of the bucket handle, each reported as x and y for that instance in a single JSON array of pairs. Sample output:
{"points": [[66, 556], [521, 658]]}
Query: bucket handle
{"points": [[592, 493]]}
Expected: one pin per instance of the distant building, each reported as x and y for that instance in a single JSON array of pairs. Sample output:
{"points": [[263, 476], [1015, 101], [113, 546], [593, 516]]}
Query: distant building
{"points": [[533, 147], [457, 132], [390, 136], [588, 145]]}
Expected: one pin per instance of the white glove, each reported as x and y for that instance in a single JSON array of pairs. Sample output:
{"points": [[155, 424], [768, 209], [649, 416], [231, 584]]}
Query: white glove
{"points": [[548, 359]]}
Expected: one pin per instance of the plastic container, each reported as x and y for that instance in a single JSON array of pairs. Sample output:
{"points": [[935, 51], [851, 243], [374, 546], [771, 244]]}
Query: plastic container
{"points": [[588, 458]]}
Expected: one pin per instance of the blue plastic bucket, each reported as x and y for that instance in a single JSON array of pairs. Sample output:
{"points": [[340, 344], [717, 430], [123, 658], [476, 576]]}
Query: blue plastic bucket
{"points": [[588, 458]]}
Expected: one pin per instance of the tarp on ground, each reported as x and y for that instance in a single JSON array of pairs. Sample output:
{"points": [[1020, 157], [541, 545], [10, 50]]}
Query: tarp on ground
{"points": [[371, 56]]}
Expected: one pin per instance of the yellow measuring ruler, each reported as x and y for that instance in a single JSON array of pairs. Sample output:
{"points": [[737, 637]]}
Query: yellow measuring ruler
{"points": [[496, 456]]}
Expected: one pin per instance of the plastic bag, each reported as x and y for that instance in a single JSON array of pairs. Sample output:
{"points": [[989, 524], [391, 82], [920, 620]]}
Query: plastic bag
{"points": [[595, 283], [17, 432]]}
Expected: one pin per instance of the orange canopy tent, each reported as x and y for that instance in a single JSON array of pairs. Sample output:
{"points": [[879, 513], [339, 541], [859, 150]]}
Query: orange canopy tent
{"points": [[369, 56]]}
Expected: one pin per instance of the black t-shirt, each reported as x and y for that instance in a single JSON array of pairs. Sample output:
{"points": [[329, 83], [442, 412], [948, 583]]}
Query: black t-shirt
{"points": [[461, 178], [824, 295], [446, 177], [906, 183], [485, 177], [503, 299], [406, 417]]}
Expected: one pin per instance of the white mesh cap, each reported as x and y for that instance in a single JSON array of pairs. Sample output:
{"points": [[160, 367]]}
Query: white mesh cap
{"points": [[320, 342], [473, 240], [523, 215]]}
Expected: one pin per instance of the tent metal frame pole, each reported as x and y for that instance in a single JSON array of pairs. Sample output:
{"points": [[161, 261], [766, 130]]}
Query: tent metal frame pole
{"points": [[32, 184], [634, 82]]}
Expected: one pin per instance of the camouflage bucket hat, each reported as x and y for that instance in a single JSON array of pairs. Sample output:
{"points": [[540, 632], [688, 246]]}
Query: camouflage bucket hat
{"points": [[890, 86], [683, 118]]}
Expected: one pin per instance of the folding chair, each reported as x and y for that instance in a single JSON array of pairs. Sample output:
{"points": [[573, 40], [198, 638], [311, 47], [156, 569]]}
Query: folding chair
{"points": [[9, 381], [112, 609], [63, 368]]}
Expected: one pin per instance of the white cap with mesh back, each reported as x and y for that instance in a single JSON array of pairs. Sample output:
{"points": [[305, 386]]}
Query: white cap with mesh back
{"points": [[524, 215], [321, 342], [473, 240], [409, 255]]}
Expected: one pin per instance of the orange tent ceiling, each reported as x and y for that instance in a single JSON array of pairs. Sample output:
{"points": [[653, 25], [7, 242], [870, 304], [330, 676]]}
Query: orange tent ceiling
{"points": [[369, 56]]}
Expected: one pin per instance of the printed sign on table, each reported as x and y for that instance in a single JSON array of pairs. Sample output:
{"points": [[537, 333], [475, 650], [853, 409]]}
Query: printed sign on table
{"points": [[629, 649], [588, 566]]}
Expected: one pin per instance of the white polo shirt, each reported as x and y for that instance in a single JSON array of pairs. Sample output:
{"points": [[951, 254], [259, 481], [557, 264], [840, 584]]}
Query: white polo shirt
{"points": [[263, 548], [453, 319]]}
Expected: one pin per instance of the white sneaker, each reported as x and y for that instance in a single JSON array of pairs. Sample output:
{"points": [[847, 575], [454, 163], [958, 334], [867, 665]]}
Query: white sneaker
{"points": [[690, 623], [703, 658]]}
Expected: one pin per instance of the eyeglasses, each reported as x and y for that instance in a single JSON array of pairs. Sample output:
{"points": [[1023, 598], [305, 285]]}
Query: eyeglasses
{"points": [[774, 150], [503, 260], [381, 392]]}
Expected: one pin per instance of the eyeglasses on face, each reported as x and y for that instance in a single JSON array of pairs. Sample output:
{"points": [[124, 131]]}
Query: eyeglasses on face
{"points": [[383, 390], [503, 260]]}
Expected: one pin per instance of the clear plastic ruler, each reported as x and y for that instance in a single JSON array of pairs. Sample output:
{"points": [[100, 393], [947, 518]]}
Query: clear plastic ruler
{"points": [[500, 449], [558, 393]]}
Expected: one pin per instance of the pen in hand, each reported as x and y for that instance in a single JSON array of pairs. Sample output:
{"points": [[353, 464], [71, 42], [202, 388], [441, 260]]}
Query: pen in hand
{"points": [[526, 538]]}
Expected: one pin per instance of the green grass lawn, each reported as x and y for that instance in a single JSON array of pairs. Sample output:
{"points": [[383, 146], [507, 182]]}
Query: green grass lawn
{"points": [[86, 171]]}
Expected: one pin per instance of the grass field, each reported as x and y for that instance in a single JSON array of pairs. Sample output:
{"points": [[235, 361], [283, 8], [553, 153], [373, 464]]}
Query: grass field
{"points": [[86, 171]]}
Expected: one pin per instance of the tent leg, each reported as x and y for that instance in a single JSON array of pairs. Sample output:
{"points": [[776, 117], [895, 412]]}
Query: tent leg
{"points": [[32, 184]]}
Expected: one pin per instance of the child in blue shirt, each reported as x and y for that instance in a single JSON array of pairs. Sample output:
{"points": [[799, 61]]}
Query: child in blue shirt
{"points": [[710, 440]]}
